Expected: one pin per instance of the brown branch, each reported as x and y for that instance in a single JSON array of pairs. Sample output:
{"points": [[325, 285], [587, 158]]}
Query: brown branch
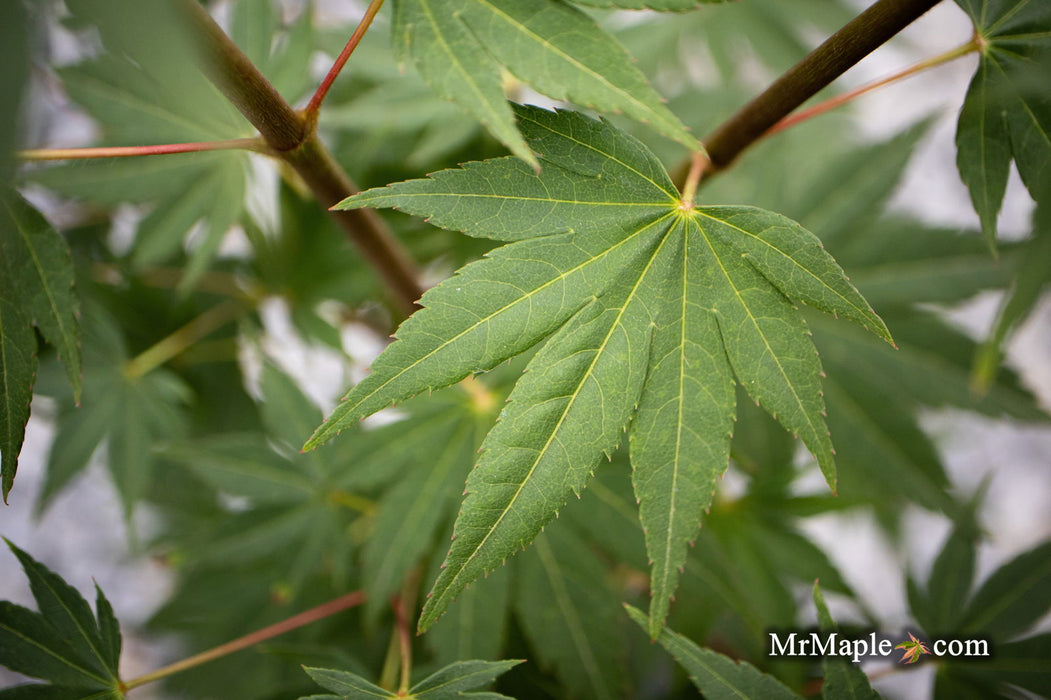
{"points": [[296, 141], [857, 39], [851, 95]]}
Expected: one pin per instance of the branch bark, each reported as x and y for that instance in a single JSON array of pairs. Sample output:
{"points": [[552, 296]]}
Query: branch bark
{"points": [[295, 140], [857, 39]]}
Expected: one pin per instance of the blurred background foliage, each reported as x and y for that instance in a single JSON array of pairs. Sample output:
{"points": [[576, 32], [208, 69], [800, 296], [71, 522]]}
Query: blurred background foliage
{"points": [[206, 439]]}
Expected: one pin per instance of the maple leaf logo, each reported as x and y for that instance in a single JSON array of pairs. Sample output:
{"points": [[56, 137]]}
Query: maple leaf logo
{"points": [[914, 649]]}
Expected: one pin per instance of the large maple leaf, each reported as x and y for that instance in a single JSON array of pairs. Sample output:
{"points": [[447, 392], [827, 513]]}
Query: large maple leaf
{"points": [[649, 308]]}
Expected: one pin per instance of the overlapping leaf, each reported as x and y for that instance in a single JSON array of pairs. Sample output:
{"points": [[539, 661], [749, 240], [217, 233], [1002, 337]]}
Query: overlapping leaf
{"points": [[1007, 112], [648, 310], [64, 643], [459, 47], [569, 613], [476, 627], [36, 291]]}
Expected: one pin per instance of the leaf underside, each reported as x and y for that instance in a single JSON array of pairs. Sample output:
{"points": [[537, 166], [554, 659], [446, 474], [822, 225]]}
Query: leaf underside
{"points": [[649, 313]]}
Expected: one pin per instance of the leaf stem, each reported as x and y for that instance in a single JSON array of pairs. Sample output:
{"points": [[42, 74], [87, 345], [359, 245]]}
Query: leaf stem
{"points": [[698, 163], [857, 39], [40, 154], [332, 607], [312, 109], [849, 96], [404, 643], [351, 501], [181, 339], [295, 140]]}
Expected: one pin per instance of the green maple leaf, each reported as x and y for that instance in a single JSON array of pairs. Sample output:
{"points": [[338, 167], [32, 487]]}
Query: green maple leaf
{"points": [[454, 681], [842, 678], [717, 676], [568, 612], [65, 644], [873, 392], [650, 311], [1033, 275], [1007, 112], [129, 413], [1006, 606], [768, 31], [36, 290], [299, 507], [459, 45]]}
